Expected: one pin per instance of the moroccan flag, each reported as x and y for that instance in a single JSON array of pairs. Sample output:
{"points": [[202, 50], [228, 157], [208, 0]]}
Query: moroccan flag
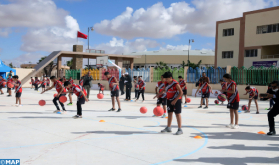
{"points": [[81, 35]]}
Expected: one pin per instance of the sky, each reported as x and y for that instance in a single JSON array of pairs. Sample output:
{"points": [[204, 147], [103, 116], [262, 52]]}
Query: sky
{"points": [[31, 29]]}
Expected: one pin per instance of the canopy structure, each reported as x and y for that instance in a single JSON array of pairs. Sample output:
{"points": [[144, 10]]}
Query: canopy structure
{"points": [[4, 68]]}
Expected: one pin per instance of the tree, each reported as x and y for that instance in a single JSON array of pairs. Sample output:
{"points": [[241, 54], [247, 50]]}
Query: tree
{"points": [[183, 64], [48, 69], [193, 65], [70, 63], [162, 65], [11, 65]]}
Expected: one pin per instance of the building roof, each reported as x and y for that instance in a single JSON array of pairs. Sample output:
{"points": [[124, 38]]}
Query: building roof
{"points": [[175, 52]]}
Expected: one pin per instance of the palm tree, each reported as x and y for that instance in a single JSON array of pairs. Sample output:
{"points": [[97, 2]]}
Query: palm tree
{"points": [[48, 69], [162, 65]]}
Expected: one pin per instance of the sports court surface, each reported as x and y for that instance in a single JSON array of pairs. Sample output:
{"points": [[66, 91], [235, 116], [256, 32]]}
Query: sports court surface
{"points": [[36, 135]]}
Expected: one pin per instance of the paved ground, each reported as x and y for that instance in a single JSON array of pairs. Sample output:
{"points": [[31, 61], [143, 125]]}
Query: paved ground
{"points": [[35, 135]]}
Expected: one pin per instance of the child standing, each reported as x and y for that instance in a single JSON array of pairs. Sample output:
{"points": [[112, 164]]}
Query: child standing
{"points": [[174, 94], [163, 98], [9, 81], [18, 90], [253, 94], [205, 92], [32, 82], [183, 86], [141, 84], [2, 84], [37, 82], [136, 87], [233, 100], [113, 85]]}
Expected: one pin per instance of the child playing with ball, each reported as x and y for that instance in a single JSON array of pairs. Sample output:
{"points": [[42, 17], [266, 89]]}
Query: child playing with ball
{"points": [[183, 86], [224, 86], [174, 94], [113, 85], [163, 98], [253, 94], [233, 100], [101, 88], [205, 92], [18, 90]]}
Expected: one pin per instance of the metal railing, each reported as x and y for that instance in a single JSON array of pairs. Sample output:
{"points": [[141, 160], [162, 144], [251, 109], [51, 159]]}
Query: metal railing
{"points": [[270, 56]]}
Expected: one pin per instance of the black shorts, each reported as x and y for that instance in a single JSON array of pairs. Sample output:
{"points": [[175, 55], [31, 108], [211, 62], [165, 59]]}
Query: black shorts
{"points": [[43, 86], [81, 100], [18, 94], [255, 97], [206, 95], [185, 92], [162, 101], [9, 88], [174, 108], [234, 105], [114, 93], [1, 86], [48, 85]]}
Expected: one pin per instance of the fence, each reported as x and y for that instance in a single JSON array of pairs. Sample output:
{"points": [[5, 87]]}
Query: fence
{"points": [[75, 74], [140, 72], [157, 73], [214, 74], [254, 76]]}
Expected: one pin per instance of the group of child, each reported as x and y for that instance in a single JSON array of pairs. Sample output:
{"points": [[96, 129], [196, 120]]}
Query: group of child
{"points": [[12, 82]]}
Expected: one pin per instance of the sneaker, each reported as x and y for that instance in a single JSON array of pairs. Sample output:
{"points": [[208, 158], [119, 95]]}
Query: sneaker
{"points": [[2, 93], [9, 95], [136, 100], [200, 107], [111, 109], [16, 105], [230, 126], [247, 111], [119, 110], [70, 104], [143, 101], [20, 105], [56, 111], [167, 129], [179, 132], [59, 112], [235, 127], [271, 133], [205, 108], [64, 112], [76, 116], [164, 115], [257, 112]]}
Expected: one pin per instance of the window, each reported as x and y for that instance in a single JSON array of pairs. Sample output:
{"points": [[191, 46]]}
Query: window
{"points": [[227, 54], [228, 32], [268, 29], [251, 53]]}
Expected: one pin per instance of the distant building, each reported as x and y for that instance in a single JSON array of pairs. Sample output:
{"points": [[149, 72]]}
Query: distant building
{"points": [[173, 58], [250, 40], [27, 66]]}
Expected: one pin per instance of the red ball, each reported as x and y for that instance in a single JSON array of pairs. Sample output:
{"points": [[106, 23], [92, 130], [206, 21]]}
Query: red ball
{"points": [[10, 85], [188, 100], [102, 89], [63, 99], [143, 110], [4, 83], [42, 102], [216, 102], [244, 107], [30, 83], [158, 111], [100, 96], [55, 95], [221, 97]]}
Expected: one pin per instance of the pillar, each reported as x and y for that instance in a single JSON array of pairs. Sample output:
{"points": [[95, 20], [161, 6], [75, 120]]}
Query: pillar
{"points": [[119, 62], [59, 63], [132, 64], [151, 74], [229, 68], [185, 72], [77, 48], [77, 61]]}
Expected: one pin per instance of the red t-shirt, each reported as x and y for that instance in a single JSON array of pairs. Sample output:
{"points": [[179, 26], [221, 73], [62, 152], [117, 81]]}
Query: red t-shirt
{"points": [[37, 82], [71, 81], [44, 82], [32, 80], [141, 84], [223, 85], [161, 87], [182, 83], [48, 81], [253, 91], [232, 97], [2, 81], [18, 89], [77, 90], [58, 88], [112, 81], [204, 88], [101, 86], [172, 91]]}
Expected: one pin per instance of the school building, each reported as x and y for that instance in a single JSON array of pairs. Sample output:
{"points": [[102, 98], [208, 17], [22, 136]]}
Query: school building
{"points": [[250, 40], [173, 58]]}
